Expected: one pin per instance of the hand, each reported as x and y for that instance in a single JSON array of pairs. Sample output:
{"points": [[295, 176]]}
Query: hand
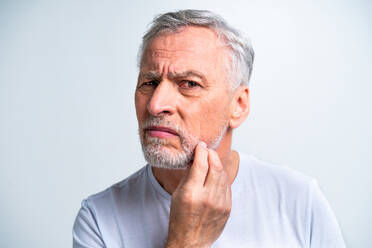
{"points": [[201, 204]]}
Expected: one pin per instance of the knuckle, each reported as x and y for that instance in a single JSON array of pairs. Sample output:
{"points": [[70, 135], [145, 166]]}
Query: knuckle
{"points": [[225, 210], [207, 203], [220, 209], [228, 209], [188, 198]]}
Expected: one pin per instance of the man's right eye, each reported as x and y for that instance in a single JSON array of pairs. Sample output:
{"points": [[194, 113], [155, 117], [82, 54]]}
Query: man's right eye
{"points": [[152, 83]]}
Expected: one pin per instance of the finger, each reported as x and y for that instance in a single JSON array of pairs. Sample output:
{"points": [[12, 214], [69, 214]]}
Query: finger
{"points": [[216, 175], [183, 179], [214, 160], [199, 168], [229, 196]]}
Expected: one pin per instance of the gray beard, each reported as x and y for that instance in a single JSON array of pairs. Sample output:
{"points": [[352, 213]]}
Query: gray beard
{"points": [[158, 155]]}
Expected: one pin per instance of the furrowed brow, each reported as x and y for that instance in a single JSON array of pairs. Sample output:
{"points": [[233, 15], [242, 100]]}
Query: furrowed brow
{"points": [[150, 75], [186, 74]]}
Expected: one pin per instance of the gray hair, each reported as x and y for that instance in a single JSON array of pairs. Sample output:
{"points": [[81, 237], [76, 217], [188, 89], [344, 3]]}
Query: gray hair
{"points": [[242, 54]]}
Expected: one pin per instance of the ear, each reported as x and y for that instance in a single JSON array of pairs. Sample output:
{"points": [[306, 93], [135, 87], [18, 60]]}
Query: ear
{"points": [[239, 106]]}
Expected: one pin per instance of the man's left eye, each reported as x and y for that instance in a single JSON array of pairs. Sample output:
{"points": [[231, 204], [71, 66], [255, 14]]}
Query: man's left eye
{"points": [[188, 84]]}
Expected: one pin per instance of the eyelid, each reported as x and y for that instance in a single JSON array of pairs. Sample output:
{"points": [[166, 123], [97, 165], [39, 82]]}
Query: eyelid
{"points": [[150, 81], [192, 81]]}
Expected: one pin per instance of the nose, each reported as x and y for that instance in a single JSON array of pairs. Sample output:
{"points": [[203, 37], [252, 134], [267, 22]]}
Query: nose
{"points": [[163, 99]]}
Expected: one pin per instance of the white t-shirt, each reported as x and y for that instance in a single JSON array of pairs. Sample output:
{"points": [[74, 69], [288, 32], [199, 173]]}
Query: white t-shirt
{"points": [[272, 207]]}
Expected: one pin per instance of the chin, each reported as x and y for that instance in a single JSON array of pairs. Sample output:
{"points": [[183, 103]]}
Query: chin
{"points": [[160, 156]]}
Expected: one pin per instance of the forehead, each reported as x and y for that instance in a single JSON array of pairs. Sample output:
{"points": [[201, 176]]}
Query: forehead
{"points": [[195, 48]]}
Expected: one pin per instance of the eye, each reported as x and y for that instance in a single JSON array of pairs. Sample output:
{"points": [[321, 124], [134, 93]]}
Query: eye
{"points": [[187, 84], [152, 83]]}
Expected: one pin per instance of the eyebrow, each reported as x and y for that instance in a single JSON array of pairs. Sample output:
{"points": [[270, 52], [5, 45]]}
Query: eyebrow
{"points": [[185, 74], [150, 75], [174, 75]]}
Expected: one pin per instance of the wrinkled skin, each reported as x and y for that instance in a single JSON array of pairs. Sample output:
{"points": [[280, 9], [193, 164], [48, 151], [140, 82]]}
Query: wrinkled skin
{"points": [[203, 109], [183, 78]]}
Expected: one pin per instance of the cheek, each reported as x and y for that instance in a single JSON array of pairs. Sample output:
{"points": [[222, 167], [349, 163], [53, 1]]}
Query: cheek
{"points": [[140, 104], [207, 118]]}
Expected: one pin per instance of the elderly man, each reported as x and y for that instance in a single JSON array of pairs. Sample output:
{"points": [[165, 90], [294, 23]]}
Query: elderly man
{"points": [[192, 92]]}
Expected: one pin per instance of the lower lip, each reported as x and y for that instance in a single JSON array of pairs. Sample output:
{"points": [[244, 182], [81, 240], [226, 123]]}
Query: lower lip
{"points": [[160, 134]]}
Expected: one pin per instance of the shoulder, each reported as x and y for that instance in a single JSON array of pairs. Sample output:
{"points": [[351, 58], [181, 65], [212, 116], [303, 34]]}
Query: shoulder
{"points": [[128, 187], [277, 189], [294, 195], [96, 221], [269, 175]]}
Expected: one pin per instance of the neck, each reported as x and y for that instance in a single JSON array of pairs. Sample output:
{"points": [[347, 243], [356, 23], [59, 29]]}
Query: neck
{"points": [[169, 178]]}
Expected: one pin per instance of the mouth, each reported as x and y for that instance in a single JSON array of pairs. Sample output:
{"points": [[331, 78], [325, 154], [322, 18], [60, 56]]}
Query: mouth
{"points": [[160, 132]]}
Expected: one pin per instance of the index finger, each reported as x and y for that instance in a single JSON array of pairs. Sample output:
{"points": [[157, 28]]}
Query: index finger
{"points": [[199, 168]]}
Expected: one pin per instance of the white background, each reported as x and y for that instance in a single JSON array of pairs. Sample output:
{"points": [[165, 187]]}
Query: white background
{"points": [[67, 118]]}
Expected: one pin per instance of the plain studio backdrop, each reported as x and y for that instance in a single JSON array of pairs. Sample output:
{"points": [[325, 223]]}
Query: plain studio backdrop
{"points": [[67, 119]]}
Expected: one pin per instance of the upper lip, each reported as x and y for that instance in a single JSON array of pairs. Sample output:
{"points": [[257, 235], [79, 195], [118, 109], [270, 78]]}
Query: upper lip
{"points": [[163, 129]]}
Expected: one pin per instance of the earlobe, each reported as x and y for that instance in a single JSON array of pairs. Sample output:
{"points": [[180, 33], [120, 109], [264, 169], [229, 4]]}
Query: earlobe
{"points": [[240, 107]]}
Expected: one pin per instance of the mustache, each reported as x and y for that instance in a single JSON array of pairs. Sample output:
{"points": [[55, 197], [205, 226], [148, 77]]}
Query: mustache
{"points": [[160, 121]]}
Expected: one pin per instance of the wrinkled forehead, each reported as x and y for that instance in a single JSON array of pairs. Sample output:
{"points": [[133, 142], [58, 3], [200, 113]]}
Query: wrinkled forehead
{"points": [[193, 48]]}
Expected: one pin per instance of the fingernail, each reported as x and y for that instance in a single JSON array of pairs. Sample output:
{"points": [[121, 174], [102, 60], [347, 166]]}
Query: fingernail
{"points": [[202, 143]]}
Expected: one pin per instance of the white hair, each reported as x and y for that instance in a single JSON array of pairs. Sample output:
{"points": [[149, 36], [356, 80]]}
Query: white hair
{"points": [[242, 54]]}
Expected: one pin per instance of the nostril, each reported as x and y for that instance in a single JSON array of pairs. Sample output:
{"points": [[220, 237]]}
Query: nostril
{"points": [[158, 109], [160, 113], [166, 112]]}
